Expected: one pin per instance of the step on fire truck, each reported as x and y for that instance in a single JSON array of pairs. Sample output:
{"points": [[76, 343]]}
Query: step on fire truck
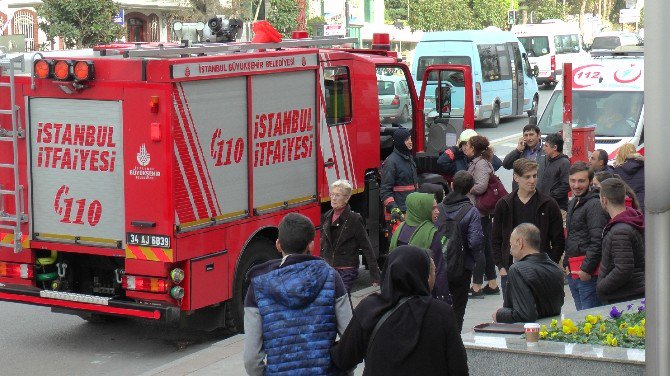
{"points": [[146, 180]]}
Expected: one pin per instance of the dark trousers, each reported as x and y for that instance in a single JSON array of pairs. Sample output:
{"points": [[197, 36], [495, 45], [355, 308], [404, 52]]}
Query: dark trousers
{"points": [[484, 262], [349, 277], [459, 295]]}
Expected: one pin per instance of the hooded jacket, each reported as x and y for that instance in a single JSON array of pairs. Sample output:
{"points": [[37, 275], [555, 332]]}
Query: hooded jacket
{"points": [[555, 179], [293, 311], [632, 172], [472, 234], [399, 179], [548, 219], [420, 338], [621, 275], [585, 222], [453, 160]]}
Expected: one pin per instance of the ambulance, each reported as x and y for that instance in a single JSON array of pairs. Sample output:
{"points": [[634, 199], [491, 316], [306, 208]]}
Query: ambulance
{"points": [[608, 94]]}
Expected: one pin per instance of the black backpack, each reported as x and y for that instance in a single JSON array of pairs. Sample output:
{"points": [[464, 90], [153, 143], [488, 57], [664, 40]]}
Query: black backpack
{"points": [[453, 246]]}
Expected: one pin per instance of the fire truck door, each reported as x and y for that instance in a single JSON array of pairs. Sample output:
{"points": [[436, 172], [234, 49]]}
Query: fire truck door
{"points": [[283, 145], [214, 113], [76, 159]]}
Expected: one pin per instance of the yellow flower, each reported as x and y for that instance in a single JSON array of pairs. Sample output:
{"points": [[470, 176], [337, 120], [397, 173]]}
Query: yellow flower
{"points": [[543, 334], [632, 330], [592, 319], [643, 322], [623, 325], [599, 317], [554, 334], [567, 322], [554, 323], [614, 343], [587, 328], [602, 328]]}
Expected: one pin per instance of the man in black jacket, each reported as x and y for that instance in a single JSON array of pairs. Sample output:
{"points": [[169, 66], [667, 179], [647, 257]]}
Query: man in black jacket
{"points": [[554, 180], [526, 205], [535, 287], [399, 177], [621, 275], [529, 147], [585, 222]]}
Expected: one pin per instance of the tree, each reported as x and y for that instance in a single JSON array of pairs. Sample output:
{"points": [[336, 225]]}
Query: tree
{"points": [[548, 10], [490, 13], [283, 15], [436, 15], [80, 23], [395, 10]]}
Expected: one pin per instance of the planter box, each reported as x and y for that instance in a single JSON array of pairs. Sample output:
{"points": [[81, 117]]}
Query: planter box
{"points": [[499, 354]]}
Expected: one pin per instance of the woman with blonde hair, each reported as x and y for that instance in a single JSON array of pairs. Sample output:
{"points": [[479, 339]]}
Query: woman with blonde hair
{"points": [[629, 165]]}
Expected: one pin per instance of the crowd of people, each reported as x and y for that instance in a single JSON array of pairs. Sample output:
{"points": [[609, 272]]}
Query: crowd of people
{"points": [[581, 223]]}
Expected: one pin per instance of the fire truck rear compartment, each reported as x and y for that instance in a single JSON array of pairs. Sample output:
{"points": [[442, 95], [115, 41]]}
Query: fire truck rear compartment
{"points": [[81, 274]]}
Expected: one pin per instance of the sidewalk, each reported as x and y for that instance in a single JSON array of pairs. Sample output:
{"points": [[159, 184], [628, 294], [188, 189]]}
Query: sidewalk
{"points": [[225, 357]]}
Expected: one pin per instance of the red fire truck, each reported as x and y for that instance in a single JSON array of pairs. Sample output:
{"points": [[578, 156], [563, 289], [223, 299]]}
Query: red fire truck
{"points": [[145, 181]]}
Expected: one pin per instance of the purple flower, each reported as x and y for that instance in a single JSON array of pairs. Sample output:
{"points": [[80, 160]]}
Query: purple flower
{"points": [[641, 308], [644, 301], [629, 307], [614, 313]]}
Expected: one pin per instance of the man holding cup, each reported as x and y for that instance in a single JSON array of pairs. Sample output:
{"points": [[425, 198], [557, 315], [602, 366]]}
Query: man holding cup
{"points": [[535, 282]]}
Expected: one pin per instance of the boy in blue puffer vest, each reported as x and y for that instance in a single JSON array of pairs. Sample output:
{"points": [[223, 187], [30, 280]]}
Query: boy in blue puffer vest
{"points": [[294, 308]]}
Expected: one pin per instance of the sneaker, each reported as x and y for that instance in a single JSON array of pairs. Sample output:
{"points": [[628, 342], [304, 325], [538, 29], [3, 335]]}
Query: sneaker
{"points": [[476, 294], [489, 291]]}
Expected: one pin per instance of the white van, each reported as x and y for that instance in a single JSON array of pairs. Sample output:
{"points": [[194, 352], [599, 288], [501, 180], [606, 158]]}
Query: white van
{"points": [[608, 94], [550, 44]]}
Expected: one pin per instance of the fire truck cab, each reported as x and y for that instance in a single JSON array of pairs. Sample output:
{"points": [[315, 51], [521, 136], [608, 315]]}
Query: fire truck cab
{"points": [[145, 181]]}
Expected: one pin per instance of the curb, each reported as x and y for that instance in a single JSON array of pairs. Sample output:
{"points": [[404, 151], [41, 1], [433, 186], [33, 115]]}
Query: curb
{"points": [[506, 138]]}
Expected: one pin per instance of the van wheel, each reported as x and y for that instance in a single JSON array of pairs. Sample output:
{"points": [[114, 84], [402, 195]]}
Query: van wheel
{"points": [[257, 252], [494, 121], [533, 109]]}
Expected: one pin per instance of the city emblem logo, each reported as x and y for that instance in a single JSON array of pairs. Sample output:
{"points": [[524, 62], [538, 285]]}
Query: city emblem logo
{"points": [[143, 157]]}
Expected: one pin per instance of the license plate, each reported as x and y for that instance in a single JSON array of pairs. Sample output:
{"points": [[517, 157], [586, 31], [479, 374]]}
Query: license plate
{"points": [[148, 240]]}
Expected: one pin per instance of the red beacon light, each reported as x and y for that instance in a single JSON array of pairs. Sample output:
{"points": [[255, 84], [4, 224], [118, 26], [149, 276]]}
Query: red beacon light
{"points": [[381, 41], [43, 69], [83, 70], [63, 70]]}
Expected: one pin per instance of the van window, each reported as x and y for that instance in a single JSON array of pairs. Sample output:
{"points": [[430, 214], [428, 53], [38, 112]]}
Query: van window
{"points": [[605, 43], [566, 44], [488, 58], [614, 114], [338, 95], [535, 46], [425, 61], [505, 64]]}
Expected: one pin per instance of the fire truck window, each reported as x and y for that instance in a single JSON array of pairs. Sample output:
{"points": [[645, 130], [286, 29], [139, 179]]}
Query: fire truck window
{"points": [[338, 95]]}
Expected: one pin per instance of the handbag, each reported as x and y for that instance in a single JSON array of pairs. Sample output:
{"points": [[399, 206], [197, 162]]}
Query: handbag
{"points": [[486, 202]]}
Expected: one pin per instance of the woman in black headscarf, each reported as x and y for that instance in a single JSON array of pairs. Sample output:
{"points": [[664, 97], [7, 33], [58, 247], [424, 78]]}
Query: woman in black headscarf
{"points": [[420, 337]]}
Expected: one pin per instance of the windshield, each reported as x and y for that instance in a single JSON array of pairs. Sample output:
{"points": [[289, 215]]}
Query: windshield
{"points": [[566, 44], [535, 46], [605, 43], [425, 61], [614, 114]]}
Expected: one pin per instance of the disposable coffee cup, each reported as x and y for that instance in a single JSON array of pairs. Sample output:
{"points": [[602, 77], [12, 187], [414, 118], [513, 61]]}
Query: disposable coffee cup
{"points": [[532, 333]]}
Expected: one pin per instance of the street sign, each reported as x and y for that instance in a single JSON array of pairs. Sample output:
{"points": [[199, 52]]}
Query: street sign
{"points": [[334, 30], [119, 17], [629, 16]]}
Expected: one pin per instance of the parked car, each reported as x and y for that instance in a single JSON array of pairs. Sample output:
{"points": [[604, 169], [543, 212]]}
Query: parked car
{"points": [[610, 40], [394, 99]]}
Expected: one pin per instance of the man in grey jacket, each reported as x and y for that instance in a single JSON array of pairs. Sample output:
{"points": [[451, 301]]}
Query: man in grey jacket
{"points": [[529, 147], [554, 179]]}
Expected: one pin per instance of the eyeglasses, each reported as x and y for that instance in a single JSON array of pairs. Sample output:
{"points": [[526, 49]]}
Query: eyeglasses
{"points": [[337, 195]]}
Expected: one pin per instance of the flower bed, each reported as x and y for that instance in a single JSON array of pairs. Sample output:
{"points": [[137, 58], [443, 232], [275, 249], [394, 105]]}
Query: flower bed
{"points": [[624, 328]]}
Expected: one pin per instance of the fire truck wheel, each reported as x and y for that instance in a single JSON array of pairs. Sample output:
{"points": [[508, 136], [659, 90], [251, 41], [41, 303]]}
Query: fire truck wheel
{"points": [[257, 252]]}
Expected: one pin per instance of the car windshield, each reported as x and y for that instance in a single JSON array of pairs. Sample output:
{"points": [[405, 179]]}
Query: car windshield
{"points": [[613, 114], [535, 46], [605, 43], [385, 87], [425, 61]]}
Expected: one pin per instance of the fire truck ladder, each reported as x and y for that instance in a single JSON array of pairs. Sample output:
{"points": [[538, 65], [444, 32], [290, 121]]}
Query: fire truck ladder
{"points": [[12, 135], [218, 48]]}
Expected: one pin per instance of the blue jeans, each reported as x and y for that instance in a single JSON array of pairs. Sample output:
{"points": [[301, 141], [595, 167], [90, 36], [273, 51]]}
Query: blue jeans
{"points": [[584, 293]]}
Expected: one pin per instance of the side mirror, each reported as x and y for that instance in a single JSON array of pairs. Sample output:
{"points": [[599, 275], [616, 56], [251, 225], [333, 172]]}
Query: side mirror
{"points": [[536, 71]]}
